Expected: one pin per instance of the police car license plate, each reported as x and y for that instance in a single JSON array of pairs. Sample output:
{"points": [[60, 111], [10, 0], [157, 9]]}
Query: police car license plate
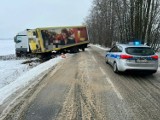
{"points": [[141, 61]]}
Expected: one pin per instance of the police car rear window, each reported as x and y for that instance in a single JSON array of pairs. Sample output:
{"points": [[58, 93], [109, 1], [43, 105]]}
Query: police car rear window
{"points": [[144, 51]]}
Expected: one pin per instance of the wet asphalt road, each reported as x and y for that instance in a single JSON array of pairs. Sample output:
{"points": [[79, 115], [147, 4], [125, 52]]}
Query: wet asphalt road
{"points": [[85, 87]]}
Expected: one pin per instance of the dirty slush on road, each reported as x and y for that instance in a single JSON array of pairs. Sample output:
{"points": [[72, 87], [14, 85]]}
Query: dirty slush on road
{"points": [[77, 90], [80, 101], [72, 93]]}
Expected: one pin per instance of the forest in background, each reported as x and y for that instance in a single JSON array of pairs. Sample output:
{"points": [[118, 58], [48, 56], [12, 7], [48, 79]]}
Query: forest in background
{"points": [[123, 21]]}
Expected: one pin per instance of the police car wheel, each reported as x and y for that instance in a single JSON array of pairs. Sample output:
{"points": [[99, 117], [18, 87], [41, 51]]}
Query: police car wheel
{"points": [[152, 72], [106, 60], [115, 68]]}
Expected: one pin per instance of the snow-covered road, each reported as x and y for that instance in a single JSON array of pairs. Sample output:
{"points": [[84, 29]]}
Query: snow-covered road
{"points": [[14, 75]]}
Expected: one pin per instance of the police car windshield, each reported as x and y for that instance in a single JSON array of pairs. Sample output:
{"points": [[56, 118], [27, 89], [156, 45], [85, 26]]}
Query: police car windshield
{"points": [[143, 51]]}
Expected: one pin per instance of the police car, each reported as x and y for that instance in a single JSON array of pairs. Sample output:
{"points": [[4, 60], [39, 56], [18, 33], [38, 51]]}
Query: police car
{"points": [[132, 57]]}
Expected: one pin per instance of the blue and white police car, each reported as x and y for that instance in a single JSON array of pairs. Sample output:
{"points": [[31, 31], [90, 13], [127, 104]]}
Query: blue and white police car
{"points": [[136, 56]]}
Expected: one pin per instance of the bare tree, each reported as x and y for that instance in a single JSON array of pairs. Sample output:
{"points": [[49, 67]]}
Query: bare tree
{"points": [[123, 21]]}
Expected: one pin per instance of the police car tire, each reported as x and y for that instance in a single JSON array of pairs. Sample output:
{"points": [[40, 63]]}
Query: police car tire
{"points": [[106, 60], [153, 71], [115, 68]]}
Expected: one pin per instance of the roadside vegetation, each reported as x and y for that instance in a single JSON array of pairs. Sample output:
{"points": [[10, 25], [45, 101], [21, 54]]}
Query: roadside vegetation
{"points": [[122, 21]]}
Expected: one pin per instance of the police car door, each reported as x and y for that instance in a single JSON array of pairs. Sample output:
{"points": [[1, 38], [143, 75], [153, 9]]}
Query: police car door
{"points": [[114, 54]]}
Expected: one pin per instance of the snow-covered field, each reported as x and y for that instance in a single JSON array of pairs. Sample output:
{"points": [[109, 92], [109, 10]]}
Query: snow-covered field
{"points": [[10, 70], [101, 47], [7, 47]]}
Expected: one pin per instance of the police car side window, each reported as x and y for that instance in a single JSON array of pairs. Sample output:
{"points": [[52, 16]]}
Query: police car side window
{"points": [[111, 49], [114, 49], [119, 49]]}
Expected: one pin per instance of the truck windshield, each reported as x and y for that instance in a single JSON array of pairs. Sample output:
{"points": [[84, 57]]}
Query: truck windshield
{"points": [[15, 39], [143, 51], [18, 38]]}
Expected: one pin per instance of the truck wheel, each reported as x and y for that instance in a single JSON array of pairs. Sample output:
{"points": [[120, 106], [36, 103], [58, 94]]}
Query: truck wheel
{"points": [[46, 56], [18, 55], [74, 50], [22, 54], [83, 49]]}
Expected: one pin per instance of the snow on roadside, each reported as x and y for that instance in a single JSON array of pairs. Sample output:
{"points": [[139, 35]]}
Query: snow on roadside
{"points": [[26, 78], [11, 70], [101, 47]]}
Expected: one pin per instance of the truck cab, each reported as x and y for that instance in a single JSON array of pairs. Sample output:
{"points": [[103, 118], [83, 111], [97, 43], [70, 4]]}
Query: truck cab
{"points": [[21, 43], [26, 42]]}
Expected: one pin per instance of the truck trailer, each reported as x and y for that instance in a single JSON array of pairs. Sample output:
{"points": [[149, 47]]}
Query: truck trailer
{"points": [[43, 41]]}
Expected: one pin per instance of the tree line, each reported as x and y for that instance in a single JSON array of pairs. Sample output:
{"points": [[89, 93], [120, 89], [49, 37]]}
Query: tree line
{"points": [[123, 21]]}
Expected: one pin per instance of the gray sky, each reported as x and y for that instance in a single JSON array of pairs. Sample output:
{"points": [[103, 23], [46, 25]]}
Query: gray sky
{"points": [[18, 15]]}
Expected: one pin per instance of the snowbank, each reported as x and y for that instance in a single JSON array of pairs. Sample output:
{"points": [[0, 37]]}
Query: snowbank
{"points": [[101, 47], [26, 78], [11, 70]]}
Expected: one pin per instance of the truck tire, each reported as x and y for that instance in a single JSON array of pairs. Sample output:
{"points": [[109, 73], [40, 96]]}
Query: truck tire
{"points": [[83, 49], [21, 54], [46, 56], [74, 50], [18, 55]]}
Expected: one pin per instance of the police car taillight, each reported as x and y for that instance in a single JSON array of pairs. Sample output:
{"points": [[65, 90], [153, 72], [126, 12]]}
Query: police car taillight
{"points": [[123, 56], [155, 57]]}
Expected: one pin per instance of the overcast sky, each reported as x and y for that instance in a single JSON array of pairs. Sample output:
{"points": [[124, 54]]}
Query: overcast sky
{"points": [[18, 15]]}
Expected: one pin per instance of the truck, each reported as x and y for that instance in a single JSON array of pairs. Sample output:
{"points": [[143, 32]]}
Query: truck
{"points": [[43, 41]]}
